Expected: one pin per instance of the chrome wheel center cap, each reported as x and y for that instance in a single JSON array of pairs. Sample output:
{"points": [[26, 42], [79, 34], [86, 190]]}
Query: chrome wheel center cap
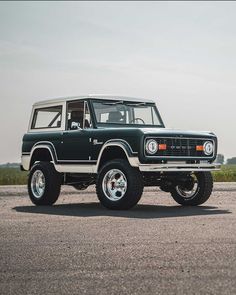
{"points": [[37, 184], [114, 184]]}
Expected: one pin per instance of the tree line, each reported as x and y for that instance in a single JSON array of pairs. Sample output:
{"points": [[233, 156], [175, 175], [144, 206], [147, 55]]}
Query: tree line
{"points": [[221, 159]]}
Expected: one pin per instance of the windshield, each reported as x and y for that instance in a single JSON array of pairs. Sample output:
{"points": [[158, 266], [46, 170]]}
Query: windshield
{"points": [[119, 112]]}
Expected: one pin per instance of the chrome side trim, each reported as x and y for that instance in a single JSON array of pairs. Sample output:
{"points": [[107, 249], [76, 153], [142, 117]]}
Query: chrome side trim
{"points": [[179, 167]]}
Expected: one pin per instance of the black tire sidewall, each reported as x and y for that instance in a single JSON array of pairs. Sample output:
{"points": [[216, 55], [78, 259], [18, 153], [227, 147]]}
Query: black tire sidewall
{"points": [[134, 185], [205, 185], [52, 184]]}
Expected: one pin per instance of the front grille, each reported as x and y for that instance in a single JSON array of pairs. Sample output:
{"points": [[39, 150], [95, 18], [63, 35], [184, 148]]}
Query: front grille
{"points": [[180, 147]]}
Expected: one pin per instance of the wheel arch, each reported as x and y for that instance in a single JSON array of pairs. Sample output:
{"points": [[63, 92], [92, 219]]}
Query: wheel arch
{"points": [[116, 149], [42, 152]]}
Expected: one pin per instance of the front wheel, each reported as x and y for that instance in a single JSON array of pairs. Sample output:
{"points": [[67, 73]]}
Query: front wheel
{"points": [[119, 186], [195, 191]]}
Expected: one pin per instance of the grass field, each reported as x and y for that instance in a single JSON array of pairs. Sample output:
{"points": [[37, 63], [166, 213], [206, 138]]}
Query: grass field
{"points": [[226, 174], [11, 176]]}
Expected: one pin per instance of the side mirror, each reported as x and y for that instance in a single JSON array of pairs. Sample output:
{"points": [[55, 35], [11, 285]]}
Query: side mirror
{"points": [[75, 125]]}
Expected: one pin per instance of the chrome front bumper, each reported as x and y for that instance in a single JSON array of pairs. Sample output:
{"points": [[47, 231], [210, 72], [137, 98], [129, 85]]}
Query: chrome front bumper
{"points": [[178, 167]]}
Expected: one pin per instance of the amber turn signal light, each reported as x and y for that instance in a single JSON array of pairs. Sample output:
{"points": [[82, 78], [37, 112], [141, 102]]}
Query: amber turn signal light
{"points": [[199, 148], [162, 147]]}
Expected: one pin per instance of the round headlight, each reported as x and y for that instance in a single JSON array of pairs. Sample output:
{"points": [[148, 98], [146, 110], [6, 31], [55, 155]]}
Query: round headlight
{"points": [[151, 146], [208, 148]]}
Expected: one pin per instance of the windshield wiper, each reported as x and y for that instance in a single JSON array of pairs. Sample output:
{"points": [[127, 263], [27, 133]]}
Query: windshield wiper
{"points": [[137, 104], [114, 103]]}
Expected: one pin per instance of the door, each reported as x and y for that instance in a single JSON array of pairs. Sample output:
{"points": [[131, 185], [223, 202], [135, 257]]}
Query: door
{"points": [[75, 145]]}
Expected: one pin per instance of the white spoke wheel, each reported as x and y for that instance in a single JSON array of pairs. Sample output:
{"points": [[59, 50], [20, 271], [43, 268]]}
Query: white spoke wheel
{"points": [[198, 193], [119, 186], [44, 184]]}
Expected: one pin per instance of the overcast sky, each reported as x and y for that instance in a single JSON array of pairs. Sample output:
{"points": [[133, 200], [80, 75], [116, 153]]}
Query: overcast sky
{"points": [[182, 54]]}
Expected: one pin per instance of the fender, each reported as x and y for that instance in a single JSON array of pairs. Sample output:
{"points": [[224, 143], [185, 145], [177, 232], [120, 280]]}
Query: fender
{"points": [[26, 158], [124, 145], [46, 144]]}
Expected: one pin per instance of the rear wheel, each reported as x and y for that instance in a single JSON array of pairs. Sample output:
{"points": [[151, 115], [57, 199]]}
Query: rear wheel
{"points": [[119, 186], [195, 191], [44, 184]]}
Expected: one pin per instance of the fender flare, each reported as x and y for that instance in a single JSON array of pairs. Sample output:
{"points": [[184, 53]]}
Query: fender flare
{"points": [[122, 144], [44, 145]]}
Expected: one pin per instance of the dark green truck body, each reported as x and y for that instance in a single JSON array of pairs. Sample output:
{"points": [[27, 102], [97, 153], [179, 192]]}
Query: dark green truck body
{"points": [[78, 145], [120, 145], [86, 146]]}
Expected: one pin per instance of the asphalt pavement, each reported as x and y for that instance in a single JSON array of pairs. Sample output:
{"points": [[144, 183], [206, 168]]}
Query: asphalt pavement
{"points": [[78, 247]]}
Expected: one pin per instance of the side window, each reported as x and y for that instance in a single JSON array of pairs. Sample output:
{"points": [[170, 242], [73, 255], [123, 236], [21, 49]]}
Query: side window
{"points": [[87, 117], [47, 117], [78, 115]]}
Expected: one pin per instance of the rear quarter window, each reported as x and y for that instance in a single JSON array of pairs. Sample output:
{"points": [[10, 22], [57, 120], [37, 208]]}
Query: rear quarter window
{"points": [[48, 117]]}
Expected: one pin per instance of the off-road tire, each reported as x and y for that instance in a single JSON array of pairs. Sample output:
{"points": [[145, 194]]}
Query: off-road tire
{"points": [[134, 185], [53, 181], [202, 194]]}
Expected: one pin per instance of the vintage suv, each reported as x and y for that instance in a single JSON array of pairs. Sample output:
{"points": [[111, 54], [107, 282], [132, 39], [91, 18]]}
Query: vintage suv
{"points": [[118, 143]]}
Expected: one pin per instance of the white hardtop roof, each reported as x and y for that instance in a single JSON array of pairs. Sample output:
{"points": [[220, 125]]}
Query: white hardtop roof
{"points": [[91, 96]]}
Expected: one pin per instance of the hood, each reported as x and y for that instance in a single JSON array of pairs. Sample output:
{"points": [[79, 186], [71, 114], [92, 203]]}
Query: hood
{"points": [[176, 132]]}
